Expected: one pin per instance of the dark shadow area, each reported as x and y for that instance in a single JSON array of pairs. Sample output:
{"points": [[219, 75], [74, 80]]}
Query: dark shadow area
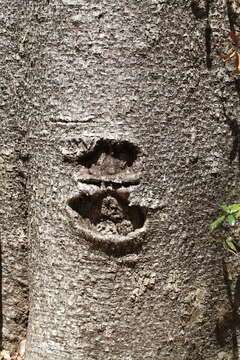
{"points": [[208, 37], [114, 184], [226, 328], [108, 222], [231, 16], [202, 12], [208, 45], [108, 213], [109, 162], [237, 87], [123, 151], [109, 158], [235, 132]]}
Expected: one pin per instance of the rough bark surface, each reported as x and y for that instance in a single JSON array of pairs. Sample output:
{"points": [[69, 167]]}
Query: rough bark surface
{"points": [[14, 102], [117, 89]]}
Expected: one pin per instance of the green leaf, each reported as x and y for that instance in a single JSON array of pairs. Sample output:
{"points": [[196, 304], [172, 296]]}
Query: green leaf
{"points": [[225, 208], [215, 241], [231, 220], [231, 245], [237, 214], [235, 207], [216, 223]]}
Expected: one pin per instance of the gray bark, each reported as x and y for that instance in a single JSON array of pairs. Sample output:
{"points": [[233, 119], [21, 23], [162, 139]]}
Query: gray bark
{"points": [[14, 101], [134, 139]]}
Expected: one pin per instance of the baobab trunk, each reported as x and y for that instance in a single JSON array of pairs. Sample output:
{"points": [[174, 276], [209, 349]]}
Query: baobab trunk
{"points": [[130, 145], [14, 106]]}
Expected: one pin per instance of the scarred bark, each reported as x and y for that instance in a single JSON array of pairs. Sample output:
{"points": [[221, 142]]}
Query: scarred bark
{"points": [[133, 122]]}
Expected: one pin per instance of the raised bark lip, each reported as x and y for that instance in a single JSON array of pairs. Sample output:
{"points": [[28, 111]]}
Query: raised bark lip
{"points": [[133, 237], [122, 179]]}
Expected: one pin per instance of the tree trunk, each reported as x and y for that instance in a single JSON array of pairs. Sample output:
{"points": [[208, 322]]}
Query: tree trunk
{"points": [[130, 139], [14, 110]]}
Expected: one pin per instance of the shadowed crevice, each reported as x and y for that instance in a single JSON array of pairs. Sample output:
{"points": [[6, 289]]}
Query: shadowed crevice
{"points": [[208, 45], [227, 326], [202, 12], [108, 213], [235, 132]]}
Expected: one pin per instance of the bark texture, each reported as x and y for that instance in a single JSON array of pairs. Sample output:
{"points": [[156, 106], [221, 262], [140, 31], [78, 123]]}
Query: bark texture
{"points": [[134, 140], [14, 106]]}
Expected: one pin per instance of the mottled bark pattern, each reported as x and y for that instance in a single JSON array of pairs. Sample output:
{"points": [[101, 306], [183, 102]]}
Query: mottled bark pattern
{"points": [[129, 72], [14, 159]]}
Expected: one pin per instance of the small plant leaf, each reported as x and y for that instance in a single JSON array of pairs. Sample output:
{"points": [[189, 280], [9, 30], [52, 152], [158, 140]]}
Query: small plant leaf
{"points": [[237, 214], [217, 241], [231, 220], [216, 223], [235, 207], [231, 245], [225, 208]]}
